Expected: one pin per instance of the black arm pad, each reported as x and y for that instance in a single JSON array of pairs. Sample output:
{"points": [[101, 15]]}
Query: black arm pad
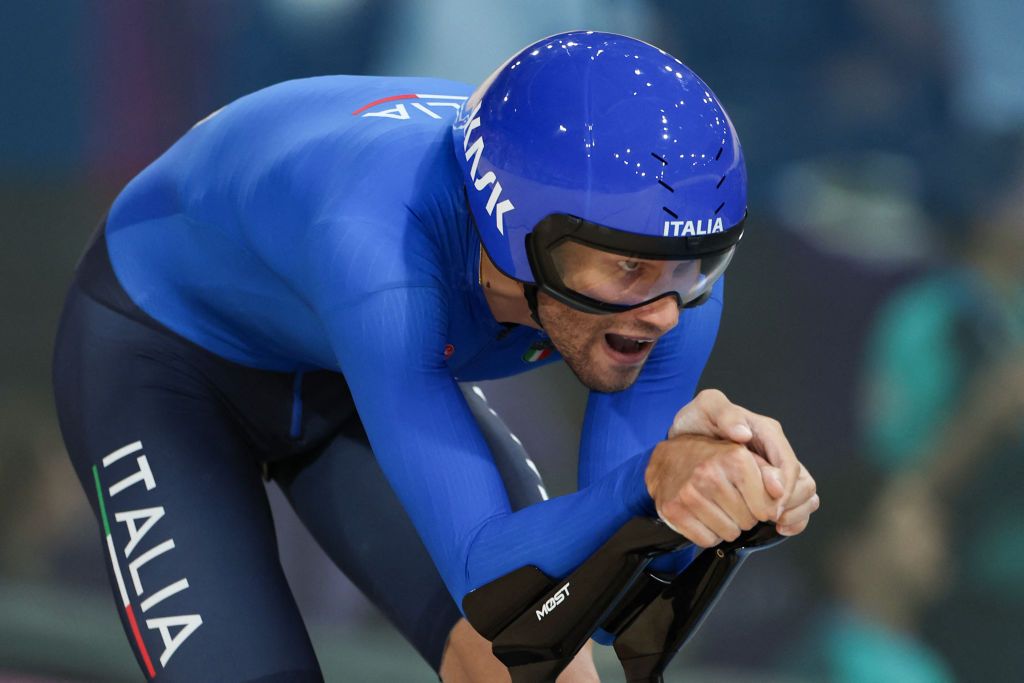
{"points": [[537, 624]]}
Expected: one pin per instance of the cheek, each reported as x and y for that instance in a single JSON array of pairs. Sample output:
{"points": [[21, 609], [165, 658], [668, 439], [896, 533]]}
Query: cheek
{"points": [[587, 329], [570, 329]]}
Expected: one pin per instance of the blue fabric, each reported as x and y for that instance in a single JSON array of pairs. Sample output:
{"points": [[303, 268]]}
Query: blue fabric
{"points": [[298, 228]]}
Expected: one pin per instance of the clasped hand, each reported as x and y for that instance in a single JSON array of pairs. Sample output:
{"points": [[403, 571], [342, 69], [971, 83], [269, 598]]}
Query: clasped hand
{"points": [[724, 468]]}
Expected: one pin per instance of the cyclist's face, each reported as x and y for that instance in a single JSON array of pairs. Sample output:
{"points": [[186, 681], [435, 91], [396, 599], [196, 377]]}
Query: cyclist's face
{"points": [[607, 352]]}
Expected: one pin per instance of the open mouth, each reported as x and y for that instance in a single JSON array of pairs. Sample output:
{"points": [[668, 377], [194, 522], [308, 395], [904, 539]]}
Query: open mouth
{"points": [[627, 349]]}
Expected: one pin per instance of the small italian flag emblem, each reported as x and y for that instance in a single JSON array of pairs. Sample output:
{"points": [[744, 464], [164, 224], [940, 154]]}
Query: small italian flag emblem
{"points": [[125, 603], [539, 350]]}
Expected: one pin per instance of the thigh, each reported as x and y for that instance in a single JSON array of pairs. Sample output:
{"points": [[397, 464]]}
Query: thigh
{"points": [[343, 498], [184, 521]]}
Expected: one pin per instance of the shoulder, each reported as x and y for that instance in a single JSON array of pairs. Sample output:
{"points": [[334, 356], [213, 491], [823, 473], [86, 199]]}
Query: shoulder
{"points": [[336, 124], [368, 97], [362, 181]]}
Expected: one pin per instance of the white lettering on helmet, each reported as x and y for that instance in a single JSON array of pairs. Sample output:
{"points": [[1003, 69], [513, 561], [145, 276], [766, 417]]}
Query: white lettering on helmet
{"points": [[690, 228], [554, 601], [473, 152]]}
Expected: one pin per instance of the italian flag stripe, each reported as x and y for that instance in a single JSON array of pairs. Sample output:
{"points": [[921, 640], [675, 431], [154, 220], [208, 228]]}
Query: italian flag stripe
{"points": [[120, 580], [534, 355], [103, 507]]}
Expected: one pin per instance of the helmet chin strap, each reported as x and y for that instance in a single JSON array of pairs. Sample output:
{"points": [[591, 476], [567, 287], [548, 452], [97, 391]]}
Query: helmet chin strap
{"points": [[530, 294]]}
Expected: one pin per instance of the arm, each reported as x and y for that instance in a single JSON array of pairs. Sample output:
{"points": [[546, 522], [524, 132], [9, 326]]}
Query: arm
{"points": [[390, 348], [618, 426], [617, 423]]}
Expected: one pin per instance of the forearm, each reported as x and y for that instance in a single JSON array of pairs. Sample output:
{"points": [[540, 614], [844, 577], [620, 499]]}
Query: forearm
{"points": [[557, 535]]}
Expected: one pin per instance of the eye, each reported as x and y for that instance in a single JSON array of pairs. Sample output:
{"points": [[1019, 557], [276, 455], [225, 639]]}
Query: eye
{"points": [[629, 266]]}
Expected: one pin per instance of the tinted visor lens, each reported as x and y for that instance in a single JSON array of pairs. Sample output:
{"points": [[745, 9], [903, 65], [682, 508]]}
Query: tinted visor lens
{"points": [[630, 280]]}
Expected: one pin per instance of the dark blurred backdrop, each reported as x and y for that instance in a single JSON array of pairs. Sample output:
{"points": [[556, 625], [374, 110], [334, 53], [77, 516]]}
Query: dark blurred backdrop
{"points": [[876, 307]]}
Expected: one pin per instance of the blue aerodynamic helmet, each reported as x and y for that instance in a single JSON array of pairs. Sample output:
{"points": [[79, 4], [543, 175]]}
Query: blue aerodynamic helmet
{"points": [[602, 171]]}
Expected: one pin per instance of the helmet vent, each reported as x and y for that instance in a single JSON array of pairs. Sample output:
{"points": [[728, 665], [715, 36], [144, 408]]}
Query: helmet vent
{"points": [[666, 185], [720, 181], [663, 161], [670, 212], [719, 208], [719, 155]]}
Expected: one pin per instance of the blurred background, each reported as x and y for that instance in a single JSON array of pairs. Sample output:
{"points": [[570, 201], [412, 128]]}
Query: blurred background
{"points": [[876, 307]]}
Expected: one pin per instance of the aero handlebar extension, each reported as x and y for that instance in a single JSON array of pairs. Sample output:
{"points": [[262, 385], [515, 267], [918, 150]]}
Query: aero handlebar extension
{"points": [[537, 624]]}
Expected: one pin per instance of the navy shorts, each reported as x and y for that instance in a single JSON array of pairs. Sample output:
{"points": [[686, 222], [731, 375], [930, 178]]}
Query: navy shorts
{"points": [[172, 445]]}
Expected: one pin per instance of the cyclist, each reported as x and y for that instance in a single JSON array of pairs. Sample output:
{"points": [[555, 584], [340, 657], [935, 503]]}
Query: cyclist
{"points": [[295, 288]]}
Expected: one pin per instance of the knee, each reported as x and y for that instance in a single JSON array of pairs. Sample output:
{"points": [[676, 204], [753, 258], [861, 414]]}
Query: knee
{"points": [[467, 658]]}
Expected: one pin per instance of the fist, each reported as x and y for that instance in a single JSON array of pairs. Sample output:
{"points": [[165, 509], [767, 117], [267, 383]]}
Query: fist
{"points": [[708, 489], [791, 486]]}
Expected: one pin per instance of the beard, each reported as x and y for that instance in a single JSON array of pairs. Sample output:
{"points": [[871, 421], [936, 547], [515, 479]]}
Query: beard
{"points": [[578, 336]]}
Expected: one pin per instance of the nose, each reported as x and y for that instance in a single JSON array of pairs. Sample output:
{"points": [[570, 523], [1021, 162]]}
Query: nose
{"points": [[663, 313]]}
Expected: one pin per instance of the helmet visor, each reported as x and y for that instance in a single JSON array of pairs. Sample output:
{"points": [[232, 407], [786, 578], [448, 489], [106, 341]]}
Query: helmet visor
{"points": [[628, 280], [597, 269]]}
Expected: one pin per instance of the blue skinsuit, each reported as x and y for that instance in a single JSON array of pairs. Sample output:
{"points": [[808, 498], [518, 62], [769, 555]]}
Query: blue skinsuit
{"points": [[300, 229]]}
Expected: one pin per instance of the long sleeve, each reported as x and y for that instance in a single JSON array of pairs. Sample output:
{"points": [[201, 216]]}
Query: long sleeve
{"points": [[620, 425], [390, 347]]}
